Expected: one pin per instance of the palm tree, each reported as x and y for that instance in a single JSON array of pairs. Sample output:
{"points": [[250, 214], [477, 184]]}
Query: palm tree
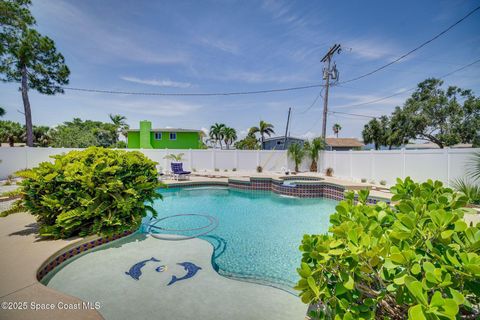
{"points": [[217, 132], [41, 135], [11, 132], [264, 128], [296, 152], [229, 136], [120, 123], [312, 150], [336, 129]]}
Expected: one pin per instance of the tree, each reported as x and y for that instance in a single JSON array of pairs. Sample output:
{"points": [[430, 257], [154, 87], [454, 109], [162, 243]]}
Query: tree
{"points": [[264, 128], [2, 112], [229, 136], [296, 153], [250, 142], [444, 117], [217, 133], [82, 134], [312, 149], [29, 58], [373, 133], [11, 132], [336, 129], [120, 123]]}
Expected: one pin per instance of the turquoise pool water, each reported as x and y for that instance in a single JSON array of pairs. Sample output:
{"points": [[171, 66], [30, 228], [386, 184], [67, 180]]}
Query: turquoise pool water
{"points": [[258, 233]]}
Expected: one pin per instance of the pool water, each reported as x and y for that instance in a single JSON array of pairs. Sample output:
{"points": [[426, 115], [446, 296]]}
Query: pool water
{"points": [[258, 233]]}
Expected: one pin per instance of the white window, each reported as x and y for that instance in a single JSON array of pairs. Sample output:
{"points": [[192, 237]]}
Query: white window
{"points": [[158, 136], [173, 136]]}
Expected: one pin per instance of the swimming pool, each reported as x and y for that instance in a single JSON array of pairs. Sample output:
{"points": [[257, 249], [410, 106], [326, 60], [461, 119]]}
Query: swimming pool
{"points": [[257, 235]]}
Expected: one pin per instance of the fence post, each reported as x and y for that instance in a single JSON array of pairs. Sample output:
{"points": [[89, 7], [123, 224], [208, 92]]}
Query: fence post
{"points": [[351, 165], [404, 164], [213, 158], [372, 164], [334, 161], [190, 155], [236, 159], [446, 151]]}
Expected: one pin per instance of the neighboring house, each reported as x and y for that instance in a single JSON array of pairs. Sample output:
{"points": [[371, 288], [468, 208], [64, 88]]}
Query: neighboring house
{"points": [[277, 143], [167, 138], [429, 145], [343, 144]]}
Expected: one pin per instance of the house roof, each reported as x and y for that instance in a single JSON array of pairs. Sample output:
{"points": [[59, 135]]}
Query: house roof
{"points": [[167, 130], [434, 145], [282, 138], [344, 142]]}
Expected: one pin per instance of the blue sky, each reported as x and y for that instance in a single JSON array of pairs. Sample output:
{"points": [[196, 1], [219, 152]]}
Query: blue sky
{"points": [[215, 46]]}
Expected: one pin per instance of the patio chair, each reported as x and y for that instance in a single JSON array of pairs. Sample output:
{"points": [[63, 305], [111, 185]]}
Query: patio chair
{"points": [[177, 171]]}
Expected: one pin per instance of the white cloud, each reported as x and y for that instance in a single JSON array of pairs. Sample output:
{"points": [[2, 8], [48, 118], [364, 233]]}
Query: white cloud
{"points": [[371, 49], [159, 83], [220, 45]]}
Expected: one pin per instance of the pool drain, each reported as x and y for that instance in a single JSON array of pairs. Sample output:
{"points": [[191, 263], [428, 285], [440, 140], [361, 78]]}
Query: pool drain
{"points": [[212, 224]]}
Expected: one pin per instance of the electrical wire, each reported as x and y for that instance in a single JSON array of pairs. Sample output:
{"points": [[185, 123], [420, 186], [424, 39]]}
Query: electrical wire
{"points": [[198, 94], [313, 103], [409, 89], [413, 50]]}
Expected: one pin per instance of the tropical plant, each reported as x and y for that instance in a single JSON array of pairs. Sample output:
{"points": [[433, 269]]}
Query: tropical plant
{"points": [[264, 128], [312, 149], [93, 191], [11, 132], [120, 123], [217, 133], [470, 190], [229, 136], [250, 142], [41, 136], [471, 186], [28, 58], [296, 153], [336, 129], [174, 157], [417, 259]]}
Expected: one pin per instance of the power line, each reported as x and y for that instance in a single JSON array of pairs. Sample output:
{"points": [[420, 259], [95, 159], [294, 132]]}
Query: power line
{"points": [[352, 114], [380, 99], [312, 104], [413, 50], [410, 89], [192, 94]]}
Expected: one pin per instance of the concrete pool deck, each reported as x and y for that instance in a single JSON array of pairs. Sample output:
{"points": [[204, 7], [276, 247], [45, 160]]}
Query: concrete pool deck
{"points": [[206, 296]]}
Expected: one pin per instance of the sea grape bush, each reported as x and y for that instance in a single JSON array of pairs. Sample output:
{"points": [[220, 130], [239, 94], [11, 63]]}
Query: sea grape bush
{"points": [[93, 191], [417, 259]]}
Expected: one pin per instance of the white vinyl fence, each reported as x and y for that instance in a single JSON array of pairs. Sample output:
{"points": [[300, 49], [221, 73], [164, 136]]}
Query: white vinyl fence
{"points": [[439, 164]]}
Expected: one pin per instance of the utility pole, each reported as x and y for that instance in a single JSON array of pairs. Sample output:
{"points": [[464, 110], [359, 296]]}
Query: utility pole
{"points": [[327, 73], [286, 130]]}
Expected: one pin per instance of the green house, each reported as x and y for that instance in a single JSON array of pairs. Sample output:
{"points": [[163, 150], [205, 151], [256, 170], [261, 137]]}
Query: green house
{"points": [[168, 138]]}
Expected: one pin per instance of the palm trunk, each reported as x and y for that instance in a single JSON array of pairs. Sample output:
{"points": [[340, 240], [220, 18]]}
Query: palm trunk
{"points": [[26, 106], [313, 166], [262, 138]]}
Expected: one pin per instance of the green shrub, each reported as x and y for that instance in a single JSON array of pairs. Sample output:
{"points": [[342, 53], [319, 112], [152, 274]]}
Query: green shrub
{"points": [[415, 260], [94, 191]]}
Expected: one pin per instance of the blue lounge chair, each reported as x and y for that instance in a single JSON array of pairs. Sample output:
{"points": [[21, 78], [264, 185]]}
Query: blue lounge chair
{"points": [[178, 172]]}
